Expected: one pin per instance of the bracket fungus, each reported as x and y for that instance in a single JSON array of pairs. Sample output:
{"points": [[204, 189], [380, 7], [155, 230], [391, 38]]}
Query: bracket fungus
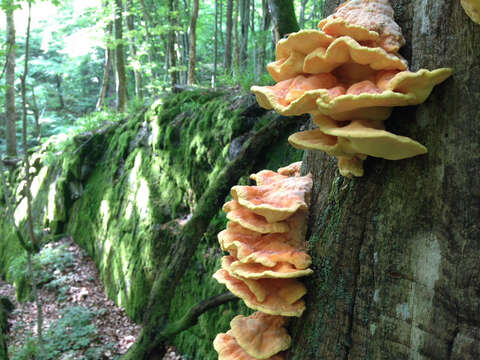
{"points": [[350, 71], [472, 9], [265, 239]]}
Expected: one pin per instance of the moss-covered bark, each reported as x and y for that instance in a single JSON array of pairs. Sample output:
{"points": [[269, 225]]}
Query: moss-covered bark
{"points": [[396, 253]]}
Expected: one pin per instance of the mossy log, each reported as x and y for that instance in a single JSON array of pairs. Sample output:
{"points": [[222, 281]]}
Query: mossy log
{"points": [[396, 253], [151, 341]]}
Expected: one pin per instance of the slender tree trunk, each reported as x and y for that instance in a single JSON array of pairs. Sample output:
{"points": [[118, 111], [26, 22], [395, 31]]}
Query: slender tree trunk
{"points": [[396, 253], [58, 83], [284, 18], [31, 231], [193, 43], [220, 25], [215, 44], [171, 45], [244, 25], [11, 116], [120, 73], [228, 37], [106, 76], [262, 46], [133, 48], [236, 54], [150, 44], [36, 114], [303, 5]]}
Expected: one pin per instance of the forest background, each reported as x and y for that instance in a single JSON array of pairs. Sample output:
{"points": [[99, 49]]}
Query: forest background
{"points": [[88, 59]]}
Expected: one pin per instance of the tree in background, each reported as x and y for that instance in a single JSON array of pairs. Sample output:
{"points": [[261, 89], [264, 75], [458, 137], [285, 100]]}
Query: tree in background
{"points": [[228, 37], [192, 54], [11, 116], [119, 58], [284, 19]]}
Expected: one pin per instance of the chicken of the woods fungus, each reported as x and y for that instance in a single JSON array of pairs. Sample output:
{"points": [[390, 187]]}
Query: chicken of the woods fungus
{"points": [[472, 9], [265, 237], [349, 75]]}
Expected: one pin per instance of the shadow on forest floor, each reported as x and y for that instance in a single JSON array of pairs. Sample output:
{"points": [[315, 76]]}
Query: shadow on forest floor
{"points": [[80, 322]]}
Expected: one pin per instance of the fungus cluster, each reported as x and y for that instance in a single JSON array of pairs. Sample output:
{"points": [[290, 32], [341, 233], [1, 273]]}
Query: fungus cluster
{"points": [[348, 75], [265, 240], [472, 9]]}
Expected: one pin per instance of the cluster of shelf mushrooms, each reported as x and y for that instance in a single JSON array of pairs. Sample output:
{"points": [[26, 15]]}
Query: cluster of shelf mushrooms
{"points": [[265, 240], [348, 75]]}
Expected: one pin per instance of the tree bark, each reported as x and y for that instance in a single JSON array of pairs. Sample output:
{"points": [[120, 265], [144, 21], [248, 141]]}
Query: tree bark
{"points": [[284, 18], [228, 37], [396, 253], [11, 116], [120, 72], [58, 83], [301, 20], [244, 25], [133, 48], [262, 47], [215, 45], [192, 54], [236, 53], [150, 343]]}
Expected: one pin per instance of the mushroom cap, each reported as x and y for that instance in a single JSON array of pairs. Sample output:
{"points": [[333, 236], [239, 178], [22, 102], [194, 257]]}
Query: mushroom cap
{"points": [[267, 250], [302, 42], [282, 295], [294, 169], [404, 89], [229, 349], [350, 167], [340, 27], [294, 96], [472, 9], [243, 216], [261, 335], [358, 137], [281, 270], [276, 201], [372, 15], [287, 67], [344, 50]]}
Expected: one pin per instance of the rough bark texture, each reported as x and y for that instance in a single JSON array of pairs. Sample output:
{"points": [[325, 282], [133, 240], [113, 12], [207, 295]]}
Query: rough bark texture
{"points": [[11, 117], [244, 20], [284, 19], [171, 44], [193, 44], [396, 253], [120, 59]]}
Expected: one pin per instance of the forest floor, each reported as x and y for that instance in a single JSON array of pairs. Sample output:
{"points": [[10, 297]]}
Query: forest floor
{"points": [[80, 322]]}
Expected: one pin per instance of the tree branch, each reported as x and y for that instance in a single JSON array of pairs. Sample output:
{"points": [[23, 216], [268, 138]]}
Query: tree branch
{"points": [[191, 317]]}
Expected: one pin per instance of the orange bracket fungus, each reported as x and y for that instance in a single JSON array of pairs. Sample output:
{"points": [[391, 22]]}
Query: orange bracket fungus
{"points": [[265, 239], [349, 76], [472, 9]]}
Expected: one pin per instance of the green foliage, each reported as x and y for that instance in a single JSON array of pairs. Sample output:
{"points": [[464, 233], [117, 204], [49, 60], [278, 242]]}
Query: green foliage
{"points": [[47, 265], [71, 335]]}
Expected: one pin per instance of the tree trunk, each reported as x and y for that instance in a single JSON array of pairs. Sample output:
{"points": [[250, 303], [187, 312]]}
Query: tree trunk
{"points": [[192, 54], [133, 48], [236, 54], [11, 116], [301, 20], [58, 83], [262, 46], [284, 19], [106, 76], [36, 114], [171, 45], [244, 25], [120, 73], [215, 44], [396, 253], [228, 37]]}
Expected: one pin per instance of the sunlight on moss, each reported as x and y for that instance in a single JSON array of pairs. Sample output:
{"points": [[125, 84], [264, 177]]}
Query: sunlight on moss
{"points": [[38, 181], [105, 213], [51, 206], [141, 198], [21, 211]]}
